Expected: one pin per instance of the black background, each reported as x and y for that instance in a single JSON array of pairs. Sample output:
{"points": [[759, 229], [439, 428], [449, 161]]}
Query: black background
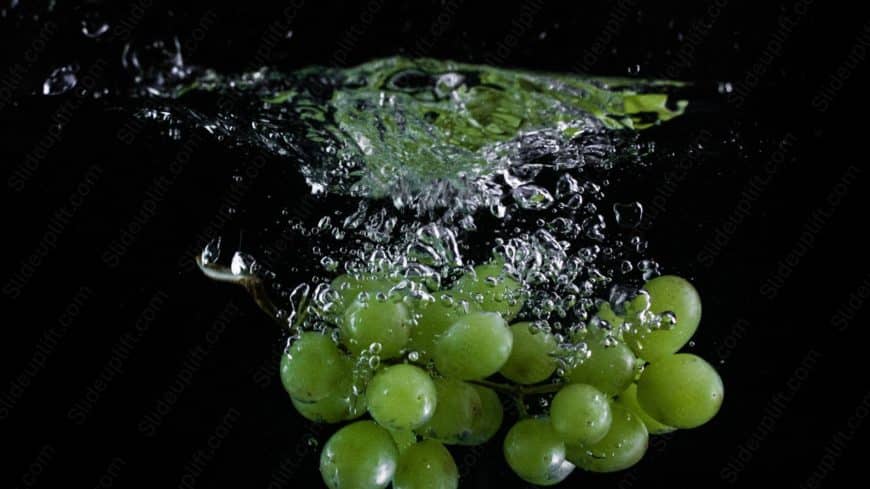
{"points": [[792, 344]]}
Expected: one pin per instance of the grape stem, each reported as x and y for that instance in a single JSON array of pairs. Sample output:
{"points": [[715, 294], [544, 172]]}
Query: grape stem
{"points": [[251, 283]]}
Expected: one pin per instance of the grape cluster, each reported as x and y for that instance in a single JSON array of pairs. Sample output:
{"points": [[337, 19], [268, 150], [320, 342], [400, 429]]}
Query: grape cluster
{"points": [[437, 371]]}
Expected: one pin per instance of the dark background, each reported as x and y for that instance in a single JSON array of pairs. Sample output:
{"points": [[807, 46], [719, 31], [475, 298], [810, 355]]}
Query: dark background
{"points": [[129, 368]]}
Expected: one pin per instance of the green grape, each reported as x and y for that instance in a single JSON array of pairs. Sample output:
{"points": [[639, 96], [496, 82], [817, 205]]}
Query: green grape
{"points": [[530, 360], [680, 390], [458, 406], [623, 446], [500, 292], [313, 367], [488, 420], [580, 414], [474, 347], [350, 287], [426, 465], [373, 321], [433, 319], [401, 397], [610, 368], [605, 312], [403, 439], [667, 293], [337, 407], [628, 399], [361, 455], [536, 453]]}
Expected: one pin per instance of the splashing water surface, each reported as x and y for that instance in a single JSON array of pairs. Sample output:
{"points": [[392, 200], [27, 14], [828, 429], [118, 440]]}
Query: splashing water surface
{"points": [[420, 169]]}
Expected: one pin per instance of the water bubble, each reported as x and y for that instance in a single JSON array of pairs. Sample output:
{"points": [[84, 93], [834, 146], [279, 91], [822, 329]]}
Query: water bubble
{"points": [[242, 263], [532, 197], [211, 252], [93, 25], [628, 215], [61, 80]]}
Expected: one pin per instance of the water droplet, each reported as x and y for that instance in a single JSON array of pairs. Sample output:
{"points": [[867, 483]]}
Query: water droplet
{"points": [[61, 80]]}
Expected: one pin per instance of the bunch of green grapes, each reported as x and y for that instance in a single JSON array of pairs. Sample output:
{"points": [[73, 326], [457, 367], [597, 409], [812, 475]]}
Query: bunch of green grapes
{"points": [[446, 366]]}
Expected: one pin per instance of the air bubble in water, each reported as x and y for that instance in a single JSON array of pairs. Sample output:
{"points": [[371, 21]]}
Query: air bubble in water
{"points": [[211, 252], [61, 80], [532, 197], [93, 25], [628, 215]]}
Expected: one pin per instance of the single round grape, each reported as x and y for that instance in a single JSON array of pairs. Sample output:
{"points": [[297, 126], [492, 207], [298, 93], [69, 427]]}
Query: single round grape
{"points": [[628, 399], [401, 397], [500, 292], [531, 359], [426, 465], [361, 455], [680, 390], [536, 453], [580, 414], [488, 420], [474, 347], [458, 406], [610, 368], [313, 367], [403, 439], [340, 406], [373, 321], [623, 446], [667, 293], [433, 320]]}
